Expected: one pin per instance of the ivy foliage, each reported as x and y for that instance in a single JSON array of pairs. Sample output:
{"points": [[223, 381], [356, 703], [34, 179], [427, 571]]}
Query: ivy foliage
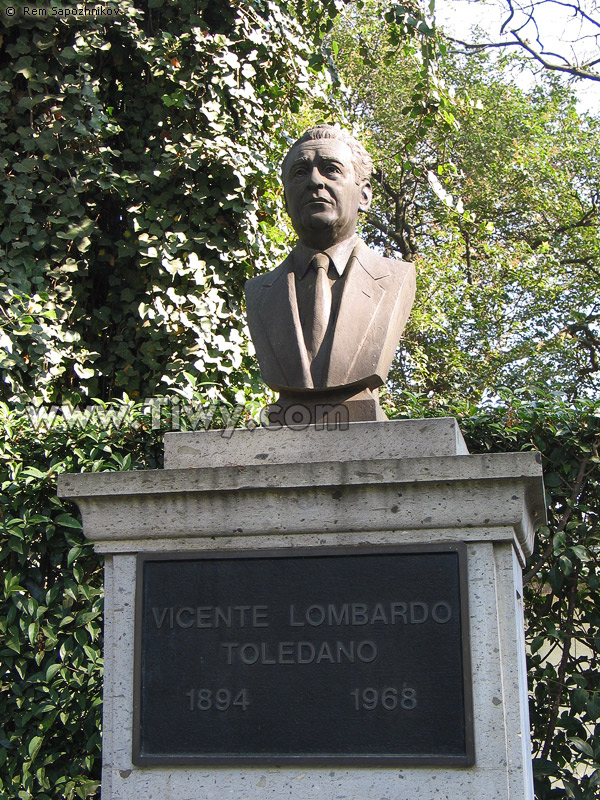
{"points": [[138, 189]]}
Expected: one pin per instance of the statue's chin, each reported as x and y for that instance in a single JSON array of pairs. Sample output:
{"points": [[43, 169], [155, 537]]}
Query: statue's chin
{"points": [[319, 225], [318, 222]]}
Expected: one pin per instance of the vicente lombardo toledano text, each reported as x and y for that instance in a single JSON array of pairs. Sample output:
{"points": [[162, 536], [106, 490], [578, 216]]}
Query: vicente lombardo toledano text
{"points": [[299, 651], [269, 657]]}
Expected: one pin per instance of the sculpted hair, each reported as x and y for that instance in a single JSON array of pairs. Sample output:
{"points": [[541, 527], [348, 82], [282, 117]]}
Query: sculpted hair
{"points": [[361, 160]]}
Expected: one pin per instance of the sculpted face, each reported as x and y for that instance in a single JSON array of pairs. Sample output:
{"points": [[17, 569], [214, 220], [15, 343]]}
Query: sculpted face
{"points": [[322, 196]]}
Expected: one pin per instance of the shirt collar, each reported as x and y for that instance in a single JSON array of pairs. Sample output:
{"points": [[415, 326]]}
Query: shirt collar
{"points": [[339, 255]]}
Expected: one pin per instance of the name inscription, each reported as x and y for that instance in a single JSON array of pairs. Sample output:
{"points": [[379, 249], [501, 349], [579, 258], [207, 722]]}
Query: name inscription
{"points": [[413, 613], [234, 663]]}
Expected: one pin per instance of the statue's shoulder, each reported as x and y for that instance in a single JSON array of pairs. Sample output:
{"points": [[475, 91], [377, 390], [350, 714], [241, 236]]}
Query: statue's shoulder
{"points": [[380, 266], [267, 279]]}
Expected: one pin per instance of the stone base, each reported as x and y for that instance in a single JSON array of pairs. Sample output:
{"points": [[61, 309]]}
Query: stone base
{"points": [[332, 407], [366, 487], [502, 769], [310, 444]]}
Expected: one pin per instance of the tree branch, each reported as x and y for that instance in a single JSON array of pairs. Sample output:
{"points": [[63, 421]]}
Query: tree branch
{"points": [[577, 10], [510, 16], [585, 221], [476, 48], [577, 72], [395, 236], [583, 71]]}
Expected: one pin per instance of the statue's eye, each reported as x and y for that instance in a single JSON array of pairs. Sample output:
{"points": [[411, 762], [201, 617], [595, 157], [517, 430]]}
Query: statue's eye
{"points": [[332, 169], [299, 171]]}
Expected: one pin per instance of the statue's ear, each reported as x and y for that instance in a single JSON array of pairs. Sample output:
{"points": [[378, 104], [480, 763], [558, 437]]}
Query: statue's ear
{"points": [[366, 195]]}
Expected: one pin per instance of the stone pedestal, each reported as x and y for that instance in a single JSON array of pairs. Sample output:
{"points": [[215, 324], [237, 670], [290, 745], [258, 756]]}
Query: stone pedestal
{"points": [[372, 486]]}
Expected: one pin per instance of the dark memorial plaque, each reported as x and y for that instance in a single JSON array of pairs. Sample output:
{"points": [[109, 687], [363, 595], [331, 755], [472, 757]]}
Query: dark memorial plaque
{"points": [[341, 657]]}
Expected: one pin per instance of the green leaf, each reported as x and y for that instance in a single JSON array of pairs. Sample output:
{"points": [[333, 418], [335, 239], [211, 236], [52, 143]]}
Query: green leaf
{"points": [[52, 670], [593, 707], [552, 479], [555, 579], [579, 699], [581, 746], [34, 746], [33, 472], [544, 767], [68, 521], [581, 552], [73, 553], [566, 565]]}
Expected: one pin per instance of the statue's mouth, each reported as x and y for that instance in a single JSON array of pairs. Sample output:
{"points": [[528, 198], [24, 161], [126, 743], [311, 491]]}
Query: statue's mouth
{"points": [[318, 201]]}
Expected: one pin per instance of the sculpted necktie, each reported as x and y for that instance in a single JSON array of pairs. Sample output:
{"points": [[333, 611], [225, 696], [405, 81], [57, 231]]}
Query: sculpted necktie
{"points": [[322, 303]]}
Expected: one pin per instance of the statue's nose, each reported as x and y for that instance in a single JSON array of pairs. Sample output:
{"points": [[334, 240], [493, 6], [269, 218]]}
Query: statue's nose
{"points": [[315, 178]]}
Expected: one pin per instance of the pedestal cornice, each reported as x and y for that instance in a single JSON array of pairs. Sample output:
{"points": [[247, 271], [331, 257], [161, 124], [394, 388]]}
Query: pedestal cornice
{"points": [[320, 496]]}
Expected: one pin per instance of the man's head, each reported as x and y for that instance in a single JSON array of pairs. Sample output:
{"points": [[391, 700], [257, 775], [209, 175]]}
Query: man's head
{"points": [[326, 179]]}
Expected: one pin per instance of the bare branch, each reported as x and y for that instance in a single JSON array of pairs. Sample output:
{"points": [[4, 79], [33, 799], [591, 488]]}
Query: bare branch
{"points": [[511, 15], [577, 72], [549, 53], [520, 15], [473, 47], [577, 11]]}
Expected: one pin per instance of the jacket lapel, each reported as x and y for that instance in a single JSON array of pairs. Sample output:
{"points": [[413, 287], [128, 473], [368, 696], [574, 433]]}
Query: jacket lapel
{"points": [[361, 298], [279, 315]]}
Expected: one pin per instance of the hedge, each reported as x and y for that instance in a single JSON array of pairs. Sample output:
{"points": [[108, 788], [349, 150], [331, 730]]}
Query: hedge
{"points": [[51, 616]]}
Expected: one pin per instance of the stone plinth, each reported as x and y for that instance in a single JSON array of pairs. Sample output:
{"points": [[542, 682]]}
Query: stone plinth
{"points": [[410, 438], [373, 485]]}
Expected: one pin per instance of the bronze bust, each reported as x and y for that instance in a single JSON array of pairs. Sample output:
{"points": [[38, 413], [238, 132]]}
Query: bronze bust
{"points": [[326, 323]]}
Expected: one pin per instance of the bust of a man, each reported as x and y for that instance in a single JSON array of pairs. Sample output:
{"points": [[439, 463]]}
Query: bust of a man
{"points": [[326, 322]]}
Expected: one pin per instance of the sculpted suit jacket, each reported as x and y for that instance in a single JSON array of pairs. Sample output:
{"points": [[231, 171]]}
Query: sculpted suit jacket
{"points": [[376, 300]]}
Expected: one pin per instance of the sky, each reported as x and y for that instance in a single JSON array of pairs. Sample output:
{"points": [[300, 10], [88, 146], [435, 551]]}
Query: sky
{"points": [[559, 31]]}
